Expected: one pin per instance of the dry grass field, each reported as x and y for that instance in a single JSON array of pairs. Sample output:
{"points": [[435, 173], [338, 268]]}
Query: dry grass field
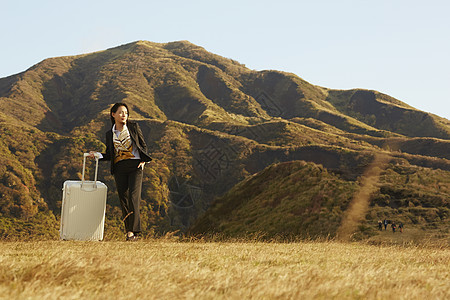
{"points": [[170, 269]]}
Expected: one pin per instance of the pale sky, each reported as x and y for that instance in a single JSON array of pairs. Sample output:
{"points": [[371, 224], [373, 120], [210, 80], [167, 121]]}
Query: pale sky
{"points": [[398, 47]]}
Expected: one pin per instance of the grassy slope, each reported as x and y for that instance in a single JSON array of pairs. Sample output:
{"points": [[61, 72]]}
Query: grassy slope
{"points": [[303, 199], [387, 113], [293, 198]]}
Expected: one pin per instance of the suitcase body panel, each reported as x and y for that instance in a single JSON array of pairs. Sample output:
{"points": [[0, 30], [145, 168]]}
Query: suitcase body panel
{"points": [[83, 210]]}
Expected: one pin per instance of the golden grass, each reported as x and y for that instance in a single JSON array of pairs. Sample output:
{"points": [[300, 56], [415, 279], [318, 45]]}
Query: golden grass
{"points": [[164, 269]]}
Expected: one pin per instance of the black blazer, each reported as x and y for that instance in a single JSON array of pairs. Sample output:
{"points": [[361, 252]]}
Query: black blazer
{"points": [[137, 138]]}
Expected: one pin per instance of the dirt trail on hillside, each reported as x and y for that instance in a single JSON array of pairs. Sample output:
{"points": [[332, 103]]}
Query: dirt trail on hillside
{"points": [[360, 203]]}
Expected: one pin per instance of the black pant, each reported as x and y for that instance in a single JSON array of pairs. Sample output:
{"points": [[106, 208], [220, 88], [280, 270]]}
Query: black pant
{"points": [[128, 179]]}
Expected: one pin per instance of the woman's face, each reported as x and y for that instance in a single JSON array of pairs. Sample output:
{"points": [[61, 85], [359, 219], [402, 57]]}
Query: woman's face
{"points": [[121, 115]]}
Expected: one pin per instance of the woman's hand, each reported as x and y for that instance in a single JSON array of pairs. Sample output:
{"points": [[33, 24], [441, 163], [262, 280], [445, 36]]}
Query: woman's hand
{"points": [[92, 154], [141, 165]]}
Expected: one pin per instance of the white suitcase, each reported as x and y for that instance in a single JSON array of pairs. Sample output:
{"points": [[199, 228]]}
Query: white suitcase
{"points": [[83, 208]]}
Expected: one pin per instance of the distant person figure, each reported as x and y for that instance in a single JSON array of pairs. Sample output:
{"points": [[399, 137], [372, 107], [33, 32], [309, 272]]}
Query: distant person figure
{"points": [[385, 222], [400, 227], [380, 225], [393, 227], [127, 151]]}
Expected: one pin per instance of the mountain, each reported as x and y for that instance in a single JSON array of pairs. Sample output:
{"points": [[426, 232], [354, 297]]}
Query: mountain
{"points": [[210, 123]]}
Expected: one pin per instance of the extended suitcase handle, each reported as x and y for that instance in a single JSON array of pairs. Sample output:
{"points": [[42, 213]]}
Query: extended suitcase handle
{"points": [[97, 156]]}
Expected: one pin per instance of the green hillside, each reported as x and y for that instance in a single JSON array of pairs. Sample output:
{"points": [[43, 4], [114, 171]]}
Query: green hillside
{"points": [[210, 124], [299, 199], [287, 199]]}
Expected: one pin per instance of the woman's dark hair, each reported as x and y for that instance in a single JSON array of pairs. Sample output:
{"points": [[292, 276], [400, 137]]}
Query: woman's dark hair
{"points": [[114, 109]]}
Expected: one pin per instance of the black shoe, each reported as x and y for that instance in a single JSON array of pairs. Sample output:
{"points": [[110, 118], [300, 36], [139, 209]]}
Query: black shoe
{"points": [[132, 238]]}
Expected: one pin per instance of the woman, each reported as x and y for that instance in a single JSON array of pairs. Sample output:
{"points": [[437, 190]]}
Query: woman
{"points": [[127, 151]]}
